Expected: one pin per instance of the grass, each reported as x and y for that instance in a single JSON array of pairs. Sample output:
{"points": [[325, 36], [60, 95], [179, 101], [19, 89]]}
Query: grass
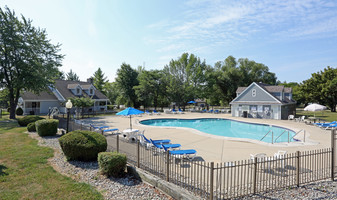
{"points": [[325, 115], [26, 174]]}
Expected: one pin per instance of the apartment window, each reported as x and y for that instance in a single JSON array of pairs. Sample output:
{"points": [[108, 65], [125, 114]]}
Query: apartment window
{"points": [[91, 91], [78, 90]]}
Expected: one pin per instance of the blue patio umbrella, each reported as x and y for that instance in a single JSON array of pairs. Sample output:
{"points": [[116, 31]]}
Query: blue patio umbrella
{"points": [[191, 102], [129, 112]]}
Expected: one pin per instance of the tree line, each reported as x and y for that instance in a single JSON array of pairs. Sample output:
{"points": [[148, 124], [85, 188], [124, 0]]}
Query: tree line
{"points": [[30, 62]]}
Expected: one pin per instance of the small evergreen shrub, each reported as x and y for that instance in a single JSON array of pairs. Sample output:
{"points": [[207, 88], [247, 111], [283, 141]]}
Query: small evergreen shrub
{"points": [[112, 163], [31, 127], [19, 111], [82, 145], [28, 119], [46, 127]]}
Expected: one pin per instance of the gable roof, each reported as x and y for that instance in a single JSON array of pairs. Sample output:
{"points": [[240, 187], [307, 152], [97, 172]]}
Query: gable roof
{"points": [[269, 89], [45, 95], [63, 88]]}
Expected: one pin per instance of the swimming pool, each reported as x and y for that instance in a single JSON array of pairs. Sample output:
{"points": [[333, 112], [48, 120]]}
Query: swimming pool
{"points": [[227, 128]]}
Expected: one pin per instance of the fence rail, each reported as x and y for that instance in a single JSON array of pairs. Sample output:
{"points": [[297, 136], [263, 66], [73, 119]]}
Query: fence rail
{"points": [[211, 180]]}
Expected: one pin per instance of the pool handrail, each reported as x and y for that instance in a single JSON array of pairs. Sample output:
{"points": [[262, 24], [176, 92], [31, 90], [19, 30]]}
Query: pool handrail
{"points": [[299, 133], [272, 136], [282, 134]]}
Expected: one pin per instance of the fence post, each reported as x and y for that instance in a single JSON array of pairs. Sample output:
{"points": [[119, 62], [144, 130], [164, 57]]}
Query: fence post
{"points": [[255, 175], [81, 126], [117, 143], [333, 153], [168, 165], [211, 181], [138, 159], [102, 132], [298, 154], [90, 128]]}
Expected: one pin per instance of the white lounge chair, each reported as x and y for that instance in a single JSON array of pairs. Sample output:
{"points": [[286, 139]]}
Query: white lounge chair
{"points": [[291, 117], [300, 119], [280, 156]]}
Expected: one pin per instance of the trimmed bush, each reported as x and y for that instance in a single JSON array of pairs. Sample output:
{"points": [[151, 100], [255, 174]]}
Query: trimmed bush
{"points": [[19, 111], [31, 127], [46, 127], [112, 163], [82, 145], [28, 119]]}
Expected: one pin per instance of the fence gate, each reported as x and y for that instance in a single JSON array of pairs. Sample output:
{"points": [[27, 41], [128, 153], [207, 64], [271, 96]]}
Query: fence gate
{"points": [[334, 153]]}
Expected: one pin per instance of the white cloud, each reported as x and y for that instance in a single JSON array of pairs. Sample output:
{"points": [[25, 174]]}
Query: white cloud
{"points": [[223, 22]]}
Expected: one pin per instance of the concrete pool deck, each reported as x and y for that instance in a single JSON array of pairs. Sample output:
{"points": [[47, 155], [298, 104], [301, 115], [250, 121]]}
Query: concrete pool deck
{"points": [[217, 148]]}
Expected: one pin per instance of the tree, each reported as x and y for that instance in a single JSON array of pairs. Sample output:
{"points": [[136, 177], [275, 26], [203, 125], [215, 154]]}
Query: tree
{"points": [[185, 78], [4, 94], [321, 88], [100, 80], [72, 76], [150, 88], [28, 61], [81, 103], [228, 75], [112, 92], [126, 80], [60, 76]]}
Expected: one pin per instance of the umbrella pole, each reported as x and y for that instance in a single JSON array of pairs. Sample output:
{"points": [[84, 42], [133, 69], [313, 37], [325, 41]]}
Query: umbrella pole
{"points": [[130, 123]]}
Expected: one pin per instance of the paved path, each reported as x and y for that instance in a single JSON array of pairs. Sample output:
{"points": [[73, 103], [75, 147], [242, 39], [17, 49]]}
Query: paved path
{"points": [[216, 148]]}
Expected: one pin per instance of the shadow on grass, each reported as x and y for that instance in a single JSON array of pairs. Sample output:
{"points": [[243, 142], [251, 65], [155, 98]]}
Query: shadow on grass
{"points": [[2, 168], [7, 125]]}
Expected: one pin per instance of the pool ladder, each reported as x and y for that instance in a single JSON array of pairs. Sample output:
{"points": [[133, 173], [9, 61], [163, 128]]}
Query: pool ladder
{"points": [[272, 135]]}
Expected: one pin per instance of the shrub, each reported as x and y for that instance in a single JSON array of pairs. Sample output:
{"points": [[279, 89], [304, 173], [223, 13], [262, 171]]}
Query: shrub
{"points": [[19, 111], [82, 145], [31, 127], [112, 163], [46, 127], [28, 119]]}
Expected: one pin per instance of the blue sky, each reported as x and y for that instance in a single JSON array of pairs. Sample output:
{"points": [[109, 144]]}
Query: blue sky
{"points": [[293, 38]]}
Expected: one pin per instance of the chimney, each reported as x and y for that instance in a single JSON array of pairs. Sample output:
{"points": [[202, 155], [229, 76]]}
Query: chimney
{"points": [[90, 80]]}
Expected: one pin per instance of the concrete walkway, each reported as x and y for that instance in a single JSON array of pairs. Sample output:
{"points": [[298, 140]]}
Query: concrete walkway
{"points": [[217, 148]]}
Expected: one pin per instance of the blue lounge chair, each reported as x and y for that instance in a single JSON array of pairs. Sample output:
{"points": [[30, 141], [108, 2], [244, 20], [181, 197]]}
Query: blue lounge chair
{"points": [[325, 124], [180, 111], [210, 111], [216, 112], [330, 126], [167, 146], [174, 111], [99, 127], [155, 141], [203, 111], [156, 112], [181, 154], [148, 112], [113, 131]]}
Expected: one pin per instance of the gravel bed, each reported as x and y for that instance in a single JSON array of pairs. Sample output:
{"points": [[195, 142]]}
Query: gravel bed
{"points": [[318, 190], [130, 188], [88, 172]]}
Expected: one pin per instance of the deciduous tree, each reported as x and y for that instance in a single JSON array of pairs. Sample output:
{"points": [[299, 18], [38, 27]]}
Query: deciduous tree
{"points": [[322, 88], [126, 80], [28, 61]]}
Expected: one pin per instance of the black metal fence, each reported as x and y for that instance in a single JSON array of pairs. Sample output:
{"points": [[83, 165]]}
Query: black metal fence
{"points": [[211, 180]]}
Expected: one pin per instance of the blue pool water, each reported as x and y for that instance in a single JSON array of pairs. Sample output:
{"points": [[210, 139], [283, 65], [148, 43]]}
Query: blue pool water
{"points": [[227, 128]]}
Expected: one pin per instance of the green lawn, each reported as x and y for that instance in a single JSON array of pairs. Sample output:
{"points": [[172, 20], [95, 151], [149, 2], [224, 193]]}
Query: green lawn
{"points": [[26, 174], [325, 115]]}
